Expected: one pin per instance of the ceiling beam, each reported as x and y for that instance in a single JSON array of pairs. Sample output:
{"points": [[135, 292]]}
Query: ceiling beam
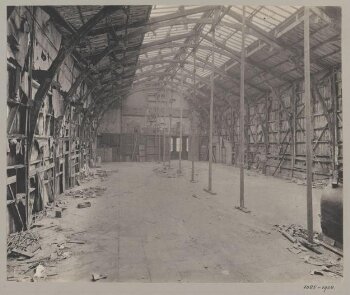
{"points": [[249, 61]]}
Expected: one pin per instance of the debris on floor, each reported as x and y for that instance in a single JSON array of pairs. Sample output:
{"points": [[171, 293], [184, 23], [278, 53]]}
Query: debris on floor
{"points": [[90, 192], [96, 277], [23, 244], [330, 262], [75, 242], [87, 174], [166, 171], [40, 272], [25, 262], [84, 205]]}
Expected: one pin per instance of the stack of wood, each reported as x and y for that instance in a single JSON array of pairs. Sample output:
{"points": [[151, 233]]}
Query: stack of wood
{"points": [[22, 244]]}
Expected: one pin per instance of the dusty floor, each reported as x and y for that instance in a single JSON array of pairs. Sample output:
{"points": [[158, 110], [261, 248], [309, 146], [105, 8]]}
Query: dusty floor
{"points": [[147, 227]]}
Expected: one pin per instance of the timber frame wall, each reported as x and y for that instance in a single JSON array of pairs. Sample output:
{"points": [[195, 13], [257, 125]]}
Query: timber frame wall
{"points": [[275, 130], [61, 146]]}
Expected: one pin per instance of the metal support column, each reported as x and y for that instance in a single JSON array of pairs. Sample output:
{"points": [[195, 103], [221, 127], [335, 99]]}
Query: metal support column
{"points": [[241, 122], [159, 141], [181, 109], [170, 119], [121, 131], [308, 115], [192, 129], [164, 143], [211, 119]]}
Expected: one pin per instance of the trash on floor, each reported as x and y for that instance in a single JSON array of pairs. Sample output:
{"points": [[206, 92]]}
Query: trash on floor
{"points": [[96, 277], [330, 264], [84, 205], [23, 244], [40, 272]]}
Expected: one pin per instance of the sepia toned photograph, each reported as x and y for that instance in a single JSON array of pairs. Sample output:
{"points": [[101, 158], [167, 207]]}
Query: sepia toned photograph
{"points": [[174, 144]]}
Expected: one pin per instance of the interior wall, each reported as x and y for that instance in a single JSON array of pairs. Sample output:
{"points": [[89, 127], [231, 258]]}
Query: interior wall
{"points": [[275, 130], [62, 144], [138, 110]]}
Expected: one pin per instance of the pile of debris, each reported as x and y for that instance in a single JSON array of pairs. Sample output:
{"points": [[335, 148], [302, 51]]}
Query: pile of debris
{"points": [[330, 264], [87, 174], [90, 192], [318, 184], [22, 244], [55, 209], [327, 266], [166, 171], [31, 268]]}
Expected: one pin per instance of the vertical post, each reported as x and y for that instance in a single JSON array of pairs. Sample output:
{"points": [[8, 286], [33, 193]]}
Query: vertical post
{"points": [[170, 119], [279, 143], [163, 115], [121, 129], [335, 119], [211, 115], [181, 107], [266, 126], [307, 88], [241, 117], [27, 127], [192, 125], [294, 110], [159, 142], [164, 145]]}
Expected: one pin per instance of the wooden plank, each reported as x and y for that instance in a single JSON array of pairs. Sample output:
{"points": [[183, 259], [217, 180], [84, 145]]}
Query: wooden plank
{"points": [[11, 179], [41, 169], [23, 253]]}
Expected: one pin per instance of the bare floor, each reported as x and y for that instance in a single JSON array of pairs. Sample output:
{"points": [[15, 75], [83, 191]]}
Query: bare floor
{"points": [[148, 227]]}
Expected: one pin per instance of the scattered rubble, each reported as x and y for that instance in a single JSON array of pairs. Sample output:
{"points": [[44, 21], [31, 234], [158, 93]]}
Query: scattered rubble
{"points": [[329, 263], [40, 272], [87, 174], [23, 244], [96, 277], [90, 192], [84, 205], [166, 171], [27, 264]]}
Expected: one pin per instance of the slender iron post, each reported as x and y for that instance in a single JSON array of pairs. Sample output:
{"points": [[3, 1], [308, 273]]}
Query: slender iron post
{"points": [[211, 115], [163, 145], [181, 107], [159, 141], [170, 119], [308, 123], [192, 129], [158, 126], [164, 129], [241, 117]]}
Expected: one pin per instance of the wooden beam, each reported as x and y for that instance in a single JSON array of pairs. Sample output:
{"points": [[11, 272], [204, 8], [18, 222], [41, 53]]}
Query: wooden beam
{"points": [[263, 35], [183, 13], [58, 19], [248, 61]]}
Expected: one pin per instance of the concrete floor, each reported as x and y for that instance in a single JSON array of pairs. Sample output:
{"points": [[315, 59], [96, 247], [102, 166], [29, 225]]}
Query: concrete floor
{"points": [[150, 228]]}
